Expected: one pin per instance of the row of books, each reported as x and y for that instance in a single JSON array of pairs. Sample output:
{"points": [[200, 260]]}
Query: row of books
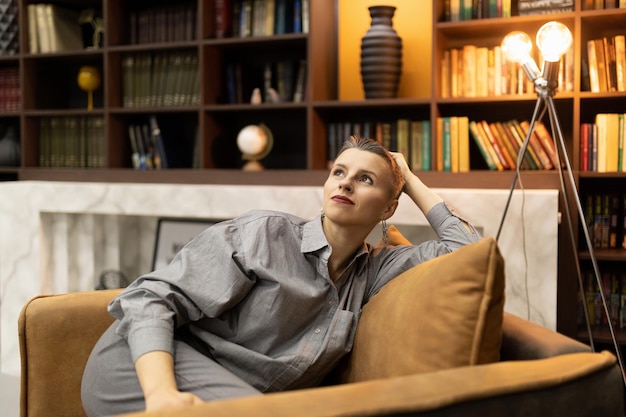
{"points": [[10, 93], [72, 142], [157, 143], [457, 10], [412, 138], [603, 4], [614, 289], [480, 71], [500, 144], [163, 23], [605, 218], [278, 82], [602, 143], [52, 28], [160, 79], [243, 18], [531, 7], [606, 63]]}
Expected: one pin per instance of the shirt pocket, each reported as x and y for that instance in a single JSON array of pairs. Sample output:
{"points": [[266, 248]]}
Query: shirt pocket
{"points": [[342, 331]]}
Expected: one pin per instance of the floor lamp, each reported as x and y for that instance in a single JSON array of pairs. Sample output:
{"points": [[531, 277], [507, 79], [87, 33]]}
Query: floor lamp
{"points": [[553, 39]]}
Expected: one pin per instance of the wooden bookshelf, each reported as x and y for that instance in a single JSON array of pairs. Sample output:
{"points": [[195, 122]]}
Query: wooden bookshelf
{"points": [[49, 90], [205, 129]]}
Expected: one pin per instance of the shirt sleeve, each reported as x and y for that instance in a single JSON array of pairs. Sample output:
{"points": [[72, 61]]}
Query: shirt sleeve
{"points": [[453, 232], [203, 280]]}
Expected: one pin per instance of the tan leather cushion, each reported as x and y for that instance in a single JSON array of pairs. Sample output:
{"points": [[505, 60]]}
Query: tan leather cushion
{"points": [[395, 237], [444, 313]]}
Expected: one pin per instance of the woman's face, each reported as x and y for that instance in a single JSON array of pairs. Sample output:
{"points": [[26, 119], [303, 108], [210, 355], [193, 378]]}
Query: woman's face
{"points": [[358, 189]]}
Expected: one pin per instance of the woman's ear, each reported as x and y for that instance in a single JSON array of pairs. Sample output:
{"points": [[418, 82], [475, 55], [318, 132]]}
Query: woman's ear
{"points": [[390, 209]]}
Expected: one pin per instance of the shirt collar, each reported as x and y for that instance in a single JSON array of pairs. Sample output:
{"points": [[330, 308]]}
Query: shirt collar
{"points": [[313, 238]]}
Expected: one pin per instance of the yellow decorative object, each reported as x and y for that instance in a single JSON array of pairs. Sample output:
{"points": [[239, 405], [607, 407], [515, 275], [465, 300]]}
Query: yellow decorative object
{"points": [[88, 80]]}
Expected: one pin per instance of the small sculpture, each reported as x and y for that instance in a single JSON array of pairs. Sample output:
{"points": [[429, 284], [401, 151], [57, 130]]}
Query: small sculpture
{"points": [[255, 142], [88, 80]]}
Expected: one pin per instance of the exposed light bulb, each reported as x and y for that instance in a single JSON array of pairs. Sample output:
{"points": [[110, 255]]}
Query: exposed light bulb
{"points": [[516, 47], [553, 39]]}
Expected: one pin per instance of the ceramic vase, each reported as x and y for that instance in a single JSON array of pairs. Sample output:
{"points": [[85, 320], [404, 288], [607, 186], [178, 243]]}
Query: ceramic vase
{"points": [[9, 147], [381, 55]]}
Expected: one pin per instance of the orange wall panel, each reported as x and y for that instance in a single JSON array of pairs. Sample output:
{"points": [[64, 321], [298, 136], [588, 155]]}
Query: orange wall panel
{"points": [[412, 21]]}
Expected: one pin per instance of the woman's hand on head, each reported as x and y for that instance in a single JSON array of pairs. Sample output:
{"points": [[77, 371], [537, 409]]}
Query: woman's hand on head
{"points": [[169, 398], [404, 166]]}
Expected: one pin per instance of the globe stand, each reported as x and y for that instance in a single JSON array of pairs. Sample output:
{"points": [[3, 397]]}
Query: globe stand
{"points": [[545, 87]]}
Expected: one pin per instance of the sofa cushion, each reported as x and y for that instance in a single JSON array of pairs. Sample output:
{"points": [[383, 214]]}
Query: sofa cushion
{"points": [[443, 313]]}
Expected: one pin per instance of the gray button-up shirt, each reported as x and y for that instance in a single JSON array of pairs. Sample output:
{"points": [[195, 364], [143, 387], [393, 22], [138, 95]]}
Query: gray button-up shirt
{"points": [[254, 294]]}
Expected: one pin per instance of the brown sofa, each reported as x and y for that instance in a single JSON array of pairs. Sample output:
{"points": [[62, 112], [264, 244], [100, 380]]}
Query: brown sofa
{"points": [[434, 342]]}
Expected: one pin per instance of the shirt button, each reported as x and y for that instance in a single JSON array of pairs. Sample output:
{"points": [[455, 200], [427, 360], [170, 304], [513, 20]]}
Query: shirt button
{"points": [[317, 330]]}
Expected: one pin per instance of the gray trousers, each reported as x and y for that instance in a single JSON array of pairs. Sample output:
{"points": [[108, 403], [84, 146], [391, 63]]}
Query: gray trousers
{"points": [[110, 385]]}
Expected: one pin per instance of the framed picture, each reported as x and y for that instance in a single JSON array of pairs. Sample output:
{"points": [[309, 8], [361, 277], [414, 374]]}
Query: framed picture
{"points": [[172, 234]]}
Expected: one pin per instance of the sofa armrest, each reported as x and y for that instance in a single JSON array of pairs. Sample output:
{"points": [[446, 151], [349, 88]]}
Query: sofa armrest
{"points": [[56, 336], [580, 384], [523, 339]]}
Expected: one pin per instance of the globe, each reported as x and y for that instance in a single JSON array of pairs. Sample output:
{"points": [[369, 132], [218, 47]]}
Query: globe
{"points": [[252, 140], [255, 142]]}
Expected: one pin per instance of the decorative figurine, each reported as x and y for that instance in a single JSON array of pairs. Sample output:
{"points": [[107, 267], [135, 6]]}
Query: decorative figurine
{"points": [[88, 80]]}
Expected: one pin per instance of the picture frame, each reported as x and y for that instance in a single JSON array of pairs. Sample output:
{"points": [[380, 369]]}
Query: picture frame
{"points": [[174, 233]]}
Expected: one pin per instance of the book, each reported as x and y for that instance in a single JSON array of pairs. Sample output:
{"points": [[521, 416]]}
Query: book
{"points": [[43, 33], [439, 144], [612, 141], [620, 61], [535, 143], [306, 16], [601, 64], [33, 36], [481, 144], [520, 136], [592, 67], [621, 131], [464, 144], [64, 31], [494, 145], [508, 152], [270, 17], [454, 144], [223, 18], [426, 146], [300, 87], [402, 138], [584, 147], [610, 63], [469, 71], [415, 147], [509, 143], [547, 142]]}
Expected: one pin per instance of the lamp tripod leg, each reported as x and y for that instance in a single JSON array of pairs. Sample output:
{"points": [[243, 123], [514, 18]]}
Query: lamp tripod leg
{"points": [[560, 143], [520, 157]]}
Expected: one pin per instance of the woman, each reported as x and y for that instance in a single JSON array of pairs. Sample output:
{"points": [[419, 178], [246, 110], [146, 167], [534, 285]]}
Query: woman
{"points": [[265, 302]]}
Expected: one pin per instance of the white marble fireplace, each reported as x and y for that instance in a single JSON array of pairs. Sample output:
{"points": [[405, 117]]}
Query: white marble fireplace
{"points": [[58, 237]]}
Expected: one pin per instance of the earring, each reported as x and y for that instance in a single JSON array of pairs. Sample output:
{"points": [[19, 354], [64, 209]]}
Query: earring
{"points": [[322, 214], [385, 236]]}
